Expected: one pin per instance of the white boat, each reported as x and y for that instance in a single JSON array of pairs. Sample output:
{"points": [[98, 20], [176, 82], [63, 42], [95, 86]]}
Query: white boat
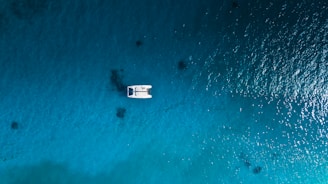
{"points": [[139, 91]]}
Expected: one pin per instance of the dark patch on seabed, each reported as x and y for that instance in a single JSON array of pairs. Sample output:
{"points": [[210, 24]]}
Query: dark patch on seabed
{"points": [[3, 21], [120, 112], [247, 163], [48, 172], [116, 79], [14, 125], [28, 9], [257, 170], [235, 4], [245, 159], [139, 43], [182, 65]]}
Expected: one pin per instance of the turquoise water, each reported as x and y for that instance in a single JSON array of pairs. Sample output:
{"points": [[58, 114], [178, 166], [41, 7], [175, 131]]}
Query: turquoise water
{"points": [[240, 91]]}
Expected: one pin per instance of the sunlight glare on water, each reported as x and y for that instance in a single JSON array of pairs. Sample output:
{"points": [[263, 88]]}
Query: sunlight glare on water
{"points": [[285, 74]]}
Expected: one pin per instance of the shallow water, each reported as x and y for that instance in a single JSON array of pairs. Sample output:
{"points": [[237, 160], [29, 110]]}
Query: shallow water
{"points": [[248, 104]]}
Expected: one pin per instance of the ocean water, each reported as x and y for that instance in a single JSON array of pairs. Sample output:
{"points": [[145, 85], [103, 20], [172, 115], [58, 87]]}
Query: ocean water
{"points": [[240, 91]]}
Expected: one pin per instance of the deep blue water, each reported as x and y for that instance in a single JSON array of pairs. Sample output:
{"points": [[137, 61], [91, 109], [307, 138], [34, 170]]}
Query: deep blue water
{"points": [[248, 102]]}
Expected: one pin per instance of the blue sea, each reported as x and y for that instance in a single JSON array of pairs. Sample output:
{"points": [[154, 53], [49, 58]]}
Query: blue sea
{"points": [[240, 91]]}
